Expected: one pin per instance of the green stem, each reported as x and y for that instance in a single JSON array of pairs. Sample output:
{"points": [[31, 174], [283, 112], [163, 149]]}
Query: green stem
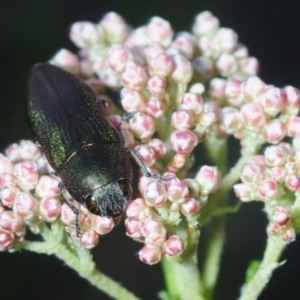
{"points": [[274, 249], [213, 257], [80, 261]]}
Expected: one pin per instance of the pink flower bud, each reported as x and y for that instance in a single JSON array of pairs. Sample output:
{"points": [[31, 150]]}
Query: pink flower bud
{"points": [[150, 254], [146, 154], [292, 182], [47, 186], [156, 85], [155, 193], [8, 195], [205, 24], [161, 65], [249, 66], [182, 119], [278, 173], [208, 179], [292, 99], [26, 174], [272, 101], [155, 107], [289, 235], [203, 66], [153, 231], [6, 180], [217, 88], [89, 239], [10, 221], [230, 120], [133, 229], [108, 77], [86, 34], [293, 127], [241, 51], [276, 155], [226, 64], [185, 44], [233, 88], [142, 126], [274, 131], [6, 166], [13, 152], [192, 102], [251, 173], [6, 239], [132, 100], [190, 206], [68, 216], [253, 87], [118, 56], [226, 39], [102, 225], [177, 162], [138, 38], [174, 245], [49, 209], [183, 141], [160, 31], [159, 147], [243, 191], [183, 70], [273, 229], [134, 76], [66, 60], [26, 206], [268, 189], [177, 190], [115, 28], [281, 216], [136, 208], [253, 116]]}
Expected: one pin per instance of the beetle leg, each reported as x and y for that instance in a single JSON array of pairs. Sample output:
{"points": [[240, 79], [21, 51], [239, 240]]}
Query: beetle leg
{"points": [[144, 169], [74, 209]]}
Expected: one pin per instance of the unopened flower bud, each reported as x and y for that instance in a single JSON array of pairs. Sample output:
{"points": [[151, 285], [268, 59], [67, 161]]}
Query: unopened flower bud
{"points": [[208, 179], [6, 239], [190, 206], [49, 209], [47, 186], [276, 155], [8, 195], [6, 166], [281, 216], [66, 60], [268, 189], [150, 254], [26, 206], [10, 221], [174, 245], [155, 193], [26, 174], [160, 31], [183, 141], [89, 239], [133, 229], [142, 126]]}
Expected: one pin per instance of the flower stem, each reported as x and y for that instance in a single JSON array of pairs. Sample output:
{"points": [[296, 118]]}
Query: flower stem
{"points": [[253, 288]]}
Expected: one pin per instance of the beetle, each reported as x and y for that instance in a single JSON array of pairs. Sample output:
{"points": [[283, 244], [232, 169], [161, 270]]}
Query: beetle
{"points": [[80, 142]]}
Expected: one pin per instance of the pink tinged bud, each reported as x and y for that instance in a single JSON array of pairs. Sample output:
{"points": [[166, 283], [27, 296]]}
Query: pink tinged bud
{"points": [[289, 235], [132, 100], [161, 65], [226, 64], [177, 190], [26, 174], [6, 180], [6, 240], [47, 186], [118, 56], [26, 206], [292, 182], [226, 39], [157, 85], [260, 160], [273, 228], [278, 174], [203, 66], [183, 141], [10, 221], [159, 147], [6, 166], [182, 119], [146, 154], [193, 186], [49, 209], [293, 127], [133, 229], [155, 193], [185, 44], [268, 189], [253, 87], [160, 31], [190, 206], [177, 162], [233, 88], [68, 216], [150, 254], [274, 131], [66, 60], [13, 152], [174, 245], [183, 69], [249, 66], [137, 209], [217, 88], [272, 101], [8, 195], [134, 76], [89, 239], [205, 24], [276, 155], [281, 216], [115, 28], [155, 107], [241, 51], [208, 179], [142, 126], [243, 191], [251, 173], [192, 102], [102, 225], [154, 232], [230, 120], [253, 116], [292, 98]]}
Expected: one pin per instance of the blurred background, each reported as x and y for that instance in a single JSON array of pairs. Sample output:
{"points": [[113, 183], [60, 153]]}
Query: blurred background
{"points": [[33, 30]]}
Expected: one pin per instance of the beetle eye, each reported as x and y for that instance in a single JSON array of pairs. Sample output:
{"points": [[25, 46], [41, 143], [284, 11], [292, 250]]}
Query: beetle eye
{"points": [[91, 205], [126, 188]]}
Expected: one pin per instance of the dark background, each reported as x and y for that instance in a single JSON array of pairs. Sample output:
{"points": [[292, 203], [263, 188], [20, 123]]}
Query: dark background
{"points": [[32, 31]]}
